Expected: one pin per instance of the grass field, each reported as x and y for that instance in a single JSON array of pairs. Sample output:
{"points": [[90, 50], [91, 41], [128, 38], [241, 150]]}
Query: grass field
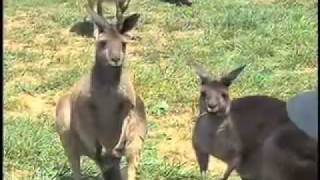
{"points": [[276, 38]]}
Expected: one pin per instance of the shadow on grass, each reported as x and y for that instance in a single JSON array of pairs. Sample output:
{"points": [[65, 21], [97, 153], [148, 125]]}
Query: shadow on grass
{"points": [[179, 2], [124, 173], [83, 28], [83, 177]]}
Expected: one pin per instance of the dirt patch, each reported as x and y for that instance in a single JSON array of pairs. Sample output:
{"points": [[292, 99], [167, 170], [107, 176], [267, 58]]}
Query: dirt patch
{"points": [[307, 71], [301, 2], [30, 105], [13, 46], [19, 174], [264, 2], [187, 34]]}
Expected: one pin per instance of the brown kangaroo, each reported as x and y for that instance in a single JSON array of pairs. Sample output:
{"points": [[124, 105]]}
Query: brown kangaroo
{"points": [[236, 131], [102, 112]]}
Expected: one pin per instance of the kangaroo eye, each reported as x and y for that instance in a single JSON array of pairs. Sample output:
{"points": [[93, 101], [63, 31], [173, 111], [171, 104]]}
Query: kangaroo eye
{"points": [[124, 45], [203, 93], [102, 43], [224, 95]]}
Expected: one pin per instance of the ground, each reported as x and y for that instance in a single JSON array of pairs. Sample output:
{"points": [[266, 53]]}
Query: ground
{"points": [[276, 39]]}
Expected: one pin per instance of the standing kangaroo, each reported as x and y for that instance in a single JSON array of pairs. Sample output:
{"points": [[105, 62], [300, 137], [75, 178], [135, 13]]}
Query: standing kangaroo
{"points": [[103, 112], [236, 131], [210, 134]]}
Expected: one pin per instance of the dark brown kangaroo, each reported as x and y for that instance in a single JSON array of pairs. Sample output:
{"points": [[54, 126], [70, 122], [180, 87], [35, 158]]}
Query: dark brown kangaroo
{"points": [[102, 113], [235, 131], [211, 135], [290, 154]]}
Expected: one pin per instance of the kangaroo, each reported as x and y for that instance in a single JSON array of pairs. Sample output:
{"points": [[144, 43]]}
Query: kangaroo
{"points": [[233, 131], [102, 114], [290, 154], [211, 135]]}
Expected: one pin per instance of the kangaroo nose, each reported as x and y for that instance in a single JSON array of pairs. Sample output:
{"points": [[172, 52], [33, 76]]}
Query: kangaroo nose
{"points": [[212, 106], [116, 59]]}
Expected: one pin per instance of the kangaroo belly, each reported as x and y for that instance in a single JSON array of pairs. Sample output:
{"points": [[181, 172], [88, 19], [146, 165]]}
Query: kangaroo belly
{"points": [[63, 112], [210, 137], [223, 150]]}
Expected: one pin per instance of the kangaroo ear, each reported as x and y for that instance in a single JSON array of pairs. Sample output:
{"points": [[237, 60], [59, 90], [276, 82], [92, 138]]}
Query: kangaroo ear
{"points": [[98, 20], [231, 76], [204, 75], [129, 23]]}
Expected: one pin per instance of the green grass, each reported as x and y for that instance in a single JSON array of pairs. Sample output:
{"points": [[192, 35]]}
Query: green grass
{"points": [[42, 60]]}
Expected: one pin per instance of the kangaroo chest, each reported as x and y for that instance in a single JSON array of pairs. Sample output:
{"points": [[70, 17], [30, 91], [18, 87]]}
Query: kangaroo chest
{"points": [[109, 108], [102, 113]]}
